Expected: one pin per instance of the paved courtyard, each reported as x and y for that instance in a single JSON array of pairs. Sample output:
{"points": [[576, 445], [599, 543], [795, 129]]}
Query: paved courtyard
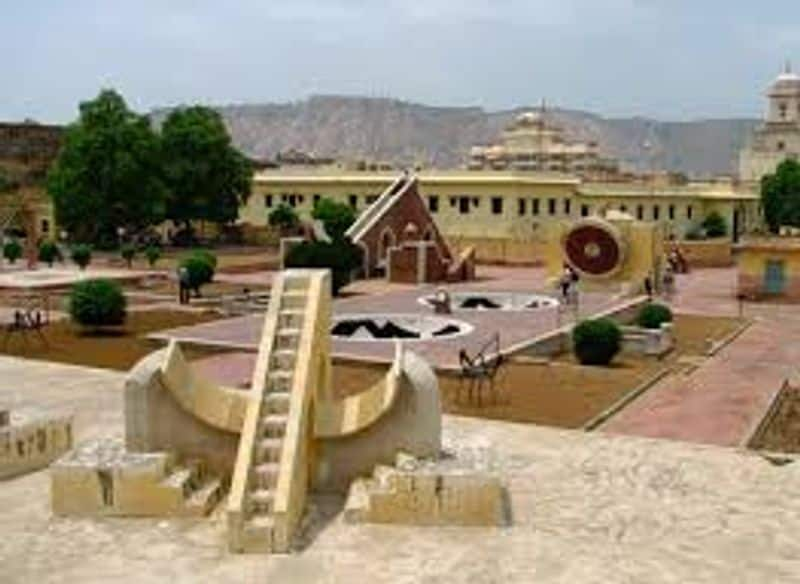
{"points": [[514, 327], [588, 508]]}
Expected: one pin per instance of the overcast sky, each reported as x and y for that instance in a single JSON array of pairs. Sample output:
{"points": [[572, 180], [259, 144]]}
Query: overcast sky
{"points": [[671, 59]]}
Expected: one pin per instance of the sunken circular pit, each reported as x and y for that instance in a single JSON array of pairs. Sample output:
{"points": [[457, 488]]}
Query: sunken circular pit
{"points": [[391, 327], [481, 300]]}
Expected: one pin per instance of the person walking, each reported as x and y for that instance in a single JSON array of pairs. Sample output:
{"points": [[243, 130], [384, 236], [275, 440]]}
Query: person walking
{"points": [[183, 285]]}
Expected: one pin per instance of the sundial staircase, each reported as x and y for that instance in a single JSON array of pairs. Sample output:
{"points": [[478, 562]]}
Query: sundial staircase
{"points": [[270, 480]]}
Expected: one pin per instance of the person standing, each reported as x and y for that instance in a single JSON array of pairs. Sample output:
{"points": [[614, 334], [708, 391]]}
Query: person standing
{"points": [[183, 285]]}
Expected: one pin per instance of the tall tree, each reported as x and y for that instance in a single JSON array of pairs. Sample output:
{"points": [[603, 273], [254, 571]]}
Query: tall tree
{"points": [[108, 173], [780, 196], [207, 177], [336, 217]]}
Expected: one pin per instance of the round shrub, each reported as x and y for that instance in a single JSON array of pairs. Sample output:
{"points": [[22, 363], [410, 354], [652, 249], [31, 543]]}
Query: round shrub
{"points": [[82, 255], [128, 252], [199, 270], [12, 250], [652, 316], [595, 342], [205, 255], [97, 303], [153, 254], [49, 253]]}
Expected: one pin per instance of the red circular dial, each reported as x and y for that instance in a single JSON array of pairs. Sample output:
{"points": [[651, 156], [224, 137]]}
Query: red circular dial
{"points": [[592, 250]]}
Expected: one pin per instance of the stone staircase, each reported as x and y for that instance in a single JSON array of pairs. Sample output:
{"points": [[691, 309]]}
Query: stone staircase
{"points": [[254, 523], [113, 481]]}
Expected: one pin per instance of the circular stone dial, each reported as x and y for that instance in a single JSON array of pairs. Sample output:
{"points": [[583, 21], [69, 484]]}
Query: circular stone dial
{"points": [[592, 250]]}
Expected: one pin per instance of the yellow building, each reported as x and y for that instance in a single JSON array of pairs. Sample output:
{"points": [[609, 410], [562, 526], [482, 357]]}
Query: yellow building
{"points": [[503, 213], [769, 266]]}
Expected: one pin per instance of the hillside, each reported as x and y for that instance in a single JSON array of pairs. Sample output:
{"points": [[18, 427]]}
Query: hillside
{"points": [[403, 132]]}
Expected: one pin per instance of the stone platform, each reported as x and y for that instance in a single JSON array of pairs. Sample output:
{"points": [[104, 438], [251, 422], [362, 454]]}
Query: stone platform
{"points": [[587, 508]]}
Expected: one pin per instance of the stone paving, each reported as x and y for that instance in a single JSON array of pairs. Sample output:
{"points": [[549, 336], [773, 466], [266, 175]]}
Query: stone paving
{"points": [[514, 327], [723, 400], [587, 508]]}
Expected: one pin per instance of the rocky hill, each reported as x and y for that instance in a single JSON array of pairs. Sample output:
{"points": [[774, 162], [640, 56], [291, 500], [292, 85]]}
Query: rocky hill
{"points": [[403, 132]]}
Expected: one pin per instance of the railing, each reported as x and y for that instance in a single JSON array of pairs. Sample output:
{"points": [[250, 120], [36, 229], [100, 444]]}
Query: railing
{"points": [[293, 476], [244, 458], [366, 218]]}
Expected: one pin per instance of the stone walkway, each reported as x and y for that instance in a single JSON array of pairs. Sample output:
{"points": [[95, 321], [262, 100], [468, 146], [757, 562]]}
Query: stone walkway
{"points": [[587, 508], [722, 401]]}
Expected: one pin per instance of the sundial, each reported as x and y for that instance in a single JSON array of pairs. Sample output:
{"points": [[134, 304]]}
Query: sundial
{"points": [[593, 248]]}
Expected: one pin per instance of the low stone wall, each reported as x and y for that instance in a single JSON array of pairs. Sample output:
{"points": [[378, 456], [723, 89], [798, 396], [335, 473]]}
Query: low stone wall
{"points": [[560, 340], [493, 250], [710, 253], [29, 442]]}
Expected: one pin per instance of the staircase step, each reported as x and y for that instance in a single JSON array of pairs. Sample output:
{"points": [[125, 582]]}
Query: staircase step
{"points": [[284, 358], [202, 501], [274, 425], [280, 381], [277, 403], [257, 533], [269, 449], [265, 475], [261, 500], [290, 317]]}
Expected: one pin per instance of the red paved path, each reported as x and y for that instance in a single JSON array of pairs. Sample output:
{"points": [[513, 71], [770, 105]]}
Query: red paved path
{"points": [[721, 401]]}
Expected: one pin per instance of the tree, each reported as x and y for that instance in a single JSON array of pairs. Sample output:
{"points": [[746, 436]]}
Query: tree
{"points": [[81, 254], [340, 256], [780, 196], [208, 179], [283, 217], [108, 173], [12, 250], [336, 217]]}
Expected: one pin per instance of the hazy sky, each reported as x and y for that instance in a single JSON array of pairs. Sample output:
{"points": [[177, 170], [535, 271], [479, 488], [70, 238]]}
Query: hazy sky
{"points": [[672, 59]]}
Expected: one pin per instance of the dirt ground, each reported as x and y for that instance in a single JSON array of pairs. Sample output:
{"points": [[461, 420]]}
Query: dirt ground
{"points": [[559, 392], [116, 349]]}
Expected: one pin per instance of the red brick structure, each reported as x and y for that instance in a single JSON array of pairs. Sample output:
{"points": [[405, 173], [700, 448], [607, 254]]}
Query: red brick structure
{"points": [[400, 238]]}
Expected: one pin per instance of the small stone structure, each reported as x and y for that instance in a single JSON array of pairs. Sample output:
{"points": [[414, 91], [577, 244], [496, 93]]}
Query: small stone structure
{"points": [[652, 342], [32, 440], [400, 238], [427, 492]]}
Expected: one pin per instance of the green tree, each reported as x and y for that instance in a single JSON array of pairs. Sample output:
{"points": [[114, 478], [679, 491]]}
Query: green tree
{"points": [[780, 196], [108, 173], [283, 217], [595, 342], [336, 217], [12, 250], [208, 178]]}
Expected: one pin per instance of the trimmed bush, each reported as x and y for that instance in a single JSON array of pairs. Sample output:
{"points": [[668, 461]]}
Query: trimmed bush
{"points": [[128, 252], [97, 303], [205, 255], [652, 316], [49, 253], [200, 271], [284, 217], [81, 254], [715, 225], [596, 341], [153, 254], [341, 257], [12, 250]]}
